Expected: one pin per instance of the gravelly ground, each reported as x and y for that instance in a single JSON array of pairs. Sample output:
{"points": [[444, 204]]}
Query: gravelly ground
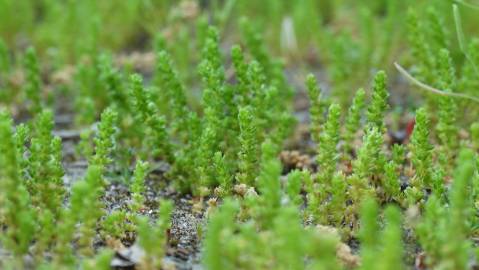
{"points": [[183, 250]]}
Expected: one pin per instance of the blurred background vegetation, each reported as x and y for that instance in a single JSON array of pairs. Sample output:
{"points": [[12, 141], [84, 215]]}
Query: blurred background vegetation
{"points": [[344, 41], [64, 31]]}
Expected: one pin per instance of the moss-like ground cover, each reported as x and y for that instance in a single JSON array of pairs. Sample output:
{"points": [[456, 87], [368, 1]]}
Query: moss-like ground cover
{"points": [[239, 134]]}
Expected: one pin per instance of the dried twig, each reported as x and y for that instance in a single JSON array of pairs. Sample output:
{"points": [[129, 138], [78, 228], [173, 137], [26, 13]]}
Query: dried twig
{"points": [[430, 88], [469, 5]]}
